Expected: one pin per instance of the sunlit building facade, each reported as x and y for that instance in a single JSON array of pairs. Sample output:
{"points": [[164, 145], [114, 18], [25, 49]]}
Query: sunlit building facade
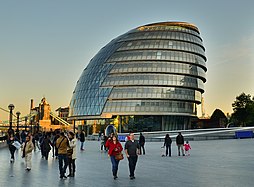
{"points": [[148, 79]]}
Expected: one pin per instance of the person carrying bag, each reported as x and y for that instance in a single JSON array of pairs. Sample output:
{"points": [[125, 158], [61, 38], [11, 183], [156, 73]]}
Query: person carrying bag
{"points": [[115, 152], [71, 153]]}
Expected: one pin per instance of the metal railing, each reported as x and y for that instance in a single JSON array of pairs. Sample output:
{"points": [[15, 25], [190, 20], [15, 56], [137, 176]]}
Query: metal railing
{"points": [[59, 119]]}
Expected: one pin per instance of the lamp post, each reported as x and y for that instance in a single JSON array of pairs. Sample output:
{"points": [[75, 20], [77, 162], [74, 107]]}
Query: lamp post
{"points": [[18, 114], [25, 123], [11, 107], [31, 123]]}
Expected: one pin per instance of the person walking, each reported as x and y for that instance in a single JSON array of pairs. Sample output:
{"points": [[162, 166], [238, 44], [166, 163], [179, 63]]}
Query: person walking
{"points": [[132, 149], [72, 155], [187, 148], [36, 141], [62, 143], [27, 149], [46, 146], [55, 151], [99, 136], [179, 143], [167, 144], [82, 140], [23, 136], [41, 140], [17, 136], [103, 143], [12, 148], [114, 148], [142, 141]]}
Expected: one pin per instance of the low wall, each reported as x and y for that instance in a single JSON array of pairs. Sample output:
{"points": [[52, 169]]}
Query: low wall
{"points": [[192, 135]]}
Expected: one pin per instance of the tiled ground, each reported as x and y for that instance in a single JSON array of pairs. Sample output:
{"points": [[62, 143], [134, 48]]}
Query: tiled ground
{"points": [[214, 163]]}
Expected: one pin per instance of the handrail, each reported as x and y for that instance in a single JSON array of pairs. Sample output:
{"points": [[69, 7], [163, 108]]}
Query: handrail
{"points": [[21, 118], [59, 119]]}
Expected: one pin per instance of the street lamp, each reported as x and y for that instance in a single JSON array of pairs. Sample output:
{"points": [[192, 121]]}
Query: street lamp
{"points": [[31, 123], [18, 114], [25, 123], [11, 107]]}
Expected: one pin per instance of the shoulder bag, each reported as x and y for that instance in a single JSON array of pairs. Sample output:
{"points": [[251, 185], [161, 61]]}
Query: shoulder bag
{"points": [[119, 156]]}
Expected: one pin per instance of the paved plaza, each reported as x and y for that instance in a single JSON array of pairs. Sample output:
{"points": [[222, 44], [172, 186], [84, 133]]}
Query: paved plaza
{"points": [[215, 163]]}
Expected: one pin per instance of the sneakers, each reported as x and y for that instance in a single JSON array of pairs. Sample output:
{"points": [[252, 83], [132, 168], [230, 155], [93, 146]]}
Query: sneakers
{"points": [[115, 177], [132, 177], [12, 160], [28, 169]]}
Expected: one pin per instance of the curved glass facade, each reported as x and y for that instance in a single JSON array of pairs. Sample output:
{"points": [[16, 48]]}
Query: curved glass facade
{"points": [[155, 72]]}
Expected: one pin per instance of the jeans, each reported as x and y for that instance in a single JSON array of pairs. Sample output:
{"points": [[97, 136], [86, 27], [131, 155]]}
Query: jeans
{"points": [[114, 165], [82, 145], [168, 150], [61, 159], [142, 147], [132, 164], [12, 150]]}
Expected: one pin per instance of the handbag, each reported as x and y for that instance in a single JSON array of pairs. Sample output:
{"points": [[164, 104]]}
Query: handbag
{"points": [[16, 144], [69, 152], [119, 156]]}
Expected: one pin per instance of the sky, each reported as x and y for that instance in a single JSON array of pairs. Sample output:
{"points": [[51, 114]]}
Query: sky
{"points": [[45, 45]]}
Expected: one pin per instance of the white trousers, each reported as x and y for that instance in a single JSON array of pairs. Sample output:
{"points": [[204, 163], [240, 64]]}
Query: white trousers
{"points": [[28, 161]]}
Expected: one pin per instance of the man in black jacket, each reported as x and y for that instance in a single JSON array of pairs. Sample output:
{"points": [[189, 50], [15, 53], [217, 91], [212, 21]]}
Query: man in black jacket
{"points": [[142, 141], [82, 140], [179, 143]]}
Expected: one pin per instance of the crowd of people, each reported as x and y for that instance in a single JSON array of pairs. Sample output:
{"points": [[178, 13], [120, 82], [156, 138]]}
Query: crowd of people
{"points": [[63, 146]]}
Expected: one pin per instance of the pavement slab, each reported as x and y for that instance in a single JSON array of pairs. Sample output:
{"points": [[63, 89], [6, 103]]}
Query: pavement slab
{"points": [[213, 163]]}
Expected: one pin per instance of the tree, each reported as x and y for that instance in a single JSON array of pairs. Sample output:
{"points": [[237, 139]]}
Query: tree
{"points": [[243, 108]]}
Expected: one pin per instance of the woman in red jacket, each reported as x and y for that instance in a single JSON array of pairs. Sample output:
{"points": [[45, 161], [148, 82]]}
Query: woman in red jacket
{"points": [[114, 147]]}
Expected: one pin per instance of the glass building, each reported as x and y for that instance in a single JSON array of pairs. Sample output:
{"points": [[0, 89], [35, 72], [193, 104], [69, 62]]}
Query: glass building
{"points": [[148, 79]]}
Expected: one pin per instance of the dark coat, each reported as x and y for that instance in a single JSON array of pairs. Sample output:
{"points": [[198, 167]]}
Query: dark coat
{"points": [[179, 140], [82, 136], [142, 140], [46, 145], [167, 141]]}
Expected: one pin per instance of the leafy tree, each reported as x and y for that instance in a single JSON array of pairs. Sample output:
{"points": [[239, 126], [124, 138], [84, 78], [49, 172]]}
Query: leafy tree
{"points": [[243, 108]]}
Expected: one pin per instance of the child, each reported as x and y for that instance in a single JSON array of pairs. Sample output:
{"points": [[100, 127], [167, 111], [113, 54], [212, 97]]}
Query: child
{"points": [[187, 147], [27, 149]]}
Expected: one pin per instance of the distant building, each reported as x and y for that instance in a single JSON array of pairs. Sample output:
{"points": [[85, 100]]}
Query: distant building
{"points": [[45, 109], [63, 112], [217, 120], [148, 79], [41, 116]]}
